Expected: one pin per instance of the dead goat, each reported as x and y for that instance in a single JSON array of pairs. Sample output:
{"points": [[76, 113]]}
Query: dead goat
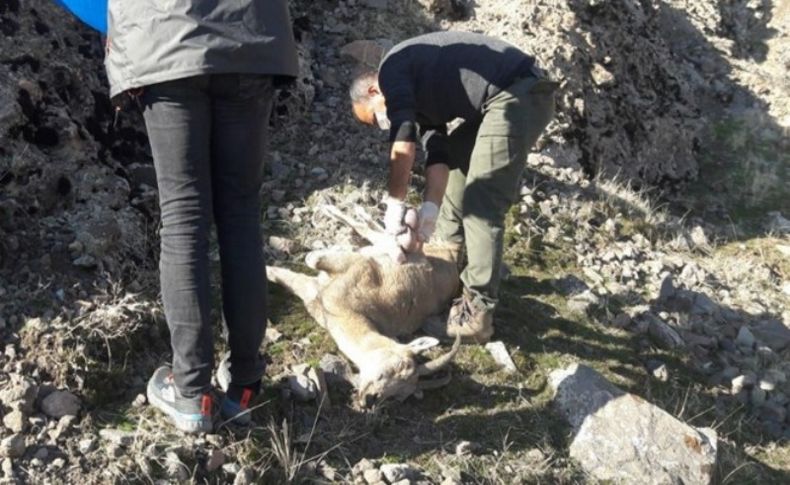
{"points": [[365, 300]]}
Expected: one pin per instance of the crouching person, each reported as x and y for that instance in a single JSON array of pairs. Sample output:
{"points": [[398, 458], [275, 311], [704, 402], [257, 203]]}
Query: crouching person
{"points": [[204, 74], [472, 174]]}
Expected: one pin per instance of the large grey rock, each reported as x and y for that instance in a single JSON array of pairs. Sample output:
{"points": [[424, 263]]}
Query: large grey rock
{"points": [[773, 333], [622, 438], [61, 403], [395, 472], [662, 333]]}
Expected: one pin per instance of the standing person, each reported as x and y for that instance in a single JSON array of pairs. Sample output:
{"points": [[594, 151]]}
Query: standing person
{"points": [[473, 173], [204, 73]]}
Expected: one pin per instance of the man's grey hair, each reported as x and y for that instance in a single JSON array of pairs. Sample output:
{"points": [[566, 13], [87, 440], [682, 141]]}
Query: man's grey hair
{"points": [[359, 90]]}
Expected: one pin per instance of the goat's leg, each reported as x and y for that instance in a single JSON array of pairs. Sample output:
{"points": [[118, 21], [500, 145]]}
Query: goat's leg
{"points": [[367, 229], [304, 286], [332, 262]]}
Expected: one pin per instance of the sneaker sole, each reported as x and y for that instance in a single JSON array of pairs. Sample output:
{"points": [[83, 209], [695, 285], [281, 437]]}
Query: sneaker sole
{"points": [[188, 423]]}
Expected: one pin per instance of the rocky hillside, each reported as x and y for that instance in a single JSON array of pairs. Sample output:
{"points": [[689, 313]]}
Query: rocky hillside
{"points": [[681, 300]]}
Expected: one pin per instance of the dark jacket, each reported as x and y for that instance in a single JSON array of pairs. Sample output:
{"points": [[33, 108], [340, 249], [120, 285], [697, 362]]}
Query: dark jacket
{"points": [[435, 78], [153, 41]]}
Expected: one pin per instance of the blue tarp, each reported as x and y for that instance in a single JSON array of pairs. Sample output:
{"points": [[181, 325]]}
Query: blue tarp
{"points": [[92, 12]]}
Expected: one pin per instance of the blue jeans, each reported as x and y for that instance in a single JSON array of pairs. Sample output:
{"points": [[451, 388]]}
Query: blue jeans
{"points": [[208, 137]]}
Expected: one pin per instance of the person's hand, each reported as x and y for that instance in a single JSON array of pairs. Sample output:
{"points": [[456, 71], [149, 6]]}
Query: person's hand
{"points": [[427, 216], [408, 239], [393, 216], [399, 245]]}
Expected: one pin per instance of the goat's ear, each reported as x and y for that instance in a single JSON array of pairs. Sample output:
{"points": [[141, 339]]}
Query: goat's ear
{"points": [[422, 344]]}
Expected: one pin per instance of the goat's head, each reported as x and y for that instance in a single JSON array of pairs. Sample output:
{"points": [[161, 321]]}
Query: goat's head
{"points": [[395, 372]]}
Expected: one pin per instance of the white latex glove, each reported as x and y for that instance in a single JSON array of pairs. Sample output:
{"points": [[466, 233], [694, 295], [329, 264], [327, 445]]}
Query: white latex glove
{"points": [[427, 216], [393, 216]]}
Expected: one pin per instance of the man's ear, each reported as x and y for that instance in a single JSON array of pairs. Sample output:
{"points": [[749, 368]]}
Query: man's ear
{"points": [[373, 89], [422, 344]]}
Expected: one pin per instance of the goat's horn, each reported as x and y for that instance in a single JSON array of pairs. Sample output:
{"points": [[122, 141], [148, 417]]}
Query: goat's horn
{"points": [[434, 383], [441, 361]]}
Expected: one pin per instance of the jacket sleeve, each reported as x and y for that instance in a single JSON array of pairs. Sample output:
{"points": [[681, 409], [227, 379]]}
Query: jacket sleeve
{"points": [[434, 142], [397, 86]]}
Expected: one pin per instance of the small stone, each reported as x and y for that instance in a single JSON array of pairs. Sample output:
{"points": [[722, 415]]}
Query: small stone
{"points": [[115, 451], [501, 356], [570, 285], [64, 425], [58, 463], [658, 370], [231, 468], [622, 320], [12, 446], [662, 333], [362, 466], [245, 476], [699, 238], [535, 456], [772, 429], [395, 472], [272, 334], [727, 344], [774, 333], [335, 368], [15, 421], [215, 460], [7, 467], [745, 338], [776, 376], [372, 476], [329, 472], [582, 302], [278, 195], [76, 247], [117, 436], [61, 403], [41, 454], [284, 245], [174, 468], [667, 290], [774, 412], [87, 445], [730, 372], [85, 261], [301, 386], [767, 384], [744, 381], [19, 389], [703, 305], [465, 448], [601, 76], [139, 401]]}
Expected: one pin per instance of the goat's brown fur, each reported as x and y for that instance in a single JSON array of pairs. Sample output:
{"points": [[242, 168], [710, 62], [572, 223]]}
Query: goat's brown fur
{"points": [[365, 300]]}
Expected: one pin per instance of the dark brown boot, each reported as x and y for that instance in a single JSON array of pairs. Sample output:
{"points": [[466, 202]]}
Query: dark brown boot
{"points": [[471, 318]]}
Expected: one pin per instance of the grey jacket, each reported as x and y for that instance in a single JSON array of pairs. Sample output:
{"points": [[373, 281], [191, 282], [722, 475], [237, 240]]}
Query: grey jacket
{"points": [[152, 41]]}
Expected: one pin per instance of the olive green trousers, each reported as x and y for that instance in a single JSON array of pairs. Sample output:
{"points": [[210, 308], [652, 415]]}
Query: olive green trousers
{"points": [[491, 157]]}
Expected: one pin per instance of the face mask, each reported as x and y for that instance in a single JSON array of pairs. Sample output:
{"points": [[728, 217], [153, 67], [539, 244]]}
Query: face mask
{"points": [[382, 120]]}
